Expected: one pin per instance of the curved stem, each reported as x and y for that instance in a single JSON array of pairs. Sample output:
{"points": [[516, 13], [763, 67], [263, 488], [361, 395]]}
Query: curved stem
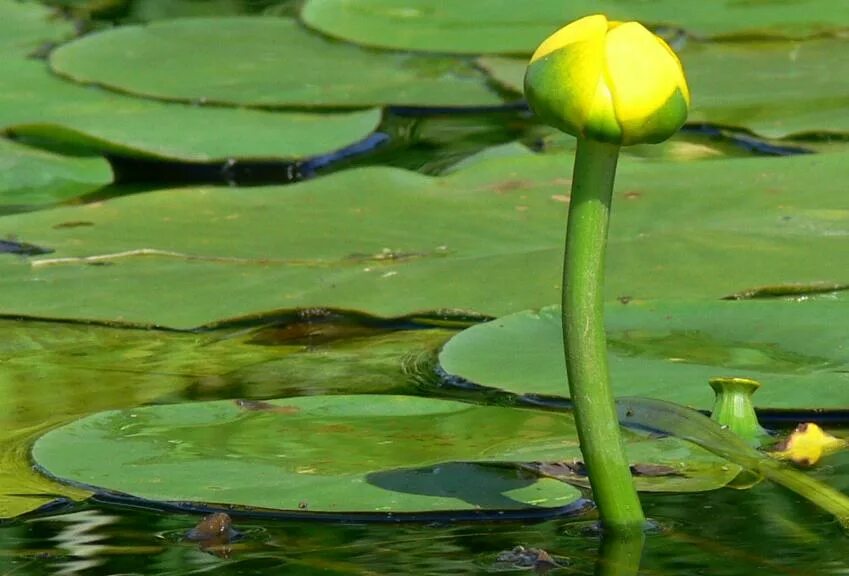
{"points": [[584, 340]]}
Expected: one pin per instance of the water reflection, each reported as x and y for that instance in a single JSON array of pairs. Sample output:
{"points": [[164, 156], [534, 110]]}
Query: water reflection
{"points": [[82, 538]]}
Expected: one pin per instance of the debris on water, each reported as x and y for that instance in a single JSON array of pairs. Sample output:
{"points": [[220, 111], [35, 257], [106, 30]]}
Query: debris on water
{"points": [[214, 534], [535, 559], [565, 470], [12, 246], [260, 406]]}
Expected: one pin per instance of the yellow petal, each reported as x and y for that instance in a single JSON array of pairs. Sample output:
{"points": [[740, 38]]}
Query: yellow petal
{"points": [[807, 444], [561, 85], [649, 90], [587, 28]]}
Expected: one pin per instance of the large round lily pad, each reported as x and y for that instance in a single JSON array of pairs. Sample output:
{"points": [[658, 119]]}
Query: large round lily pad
{"points": [[510, 27], [263, 61], [345, 454], [375, 454], [53, 373], [487, 238], [670, 350], [34, 102]]}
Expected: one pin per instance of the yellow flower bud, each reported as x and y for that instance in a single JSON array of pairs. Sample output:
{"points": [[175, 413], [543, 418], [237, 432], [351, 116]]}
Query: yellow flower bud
{"points": [[614, 82], [807, 444]]}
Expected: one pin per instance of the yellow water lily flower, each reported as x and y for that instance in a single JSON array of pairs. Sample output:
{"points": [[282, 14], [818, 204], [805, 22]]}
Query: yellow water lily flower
{"points": [[609, 81], [807, 444]]}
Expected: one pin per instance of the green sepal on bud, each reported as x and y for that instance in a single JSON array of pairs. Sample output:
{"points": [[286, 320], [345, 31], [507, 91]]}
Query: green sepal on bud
{"points": [[609, 81], [733, 408]]}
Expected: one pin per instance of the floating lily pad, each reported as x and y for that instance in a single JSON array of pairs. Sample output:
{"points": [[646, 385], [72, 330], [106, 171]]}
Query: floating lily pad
{"points": [[510, 27], [343, 454], [670, 350], [797, 87], [29, 176], [314, 454], [22, 489], [263, 61], [53, 373], [34, 102], [389, 242], [27, 26]]}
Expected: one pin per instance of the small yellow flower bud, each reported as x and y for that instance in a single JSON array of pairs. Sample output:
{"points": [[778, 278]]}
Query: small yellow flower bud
{"points": [[614, 82], [807, 444]]}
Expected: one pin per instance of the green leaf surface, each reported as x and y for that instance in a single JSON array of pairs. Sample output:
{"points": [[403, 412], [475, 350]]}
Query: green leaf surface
{"points": [[341, 454], [53, 373], [670, 350], [27, 26], [325, 453], [509, 27], [34, 102], [29, 176], [789, 88], [263, 61], [487, 238]]}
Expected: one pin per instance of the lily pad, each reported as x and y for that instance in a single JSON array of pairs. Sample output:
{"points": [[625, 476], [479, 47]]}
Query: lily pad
{"points": [[34, 102], [797, 89], [342, 454], [315, 453], [486, 239], [29, 176], [23, 490], [263, 61], [27, 26], [509, 27], [53, 373], [670, 350]]}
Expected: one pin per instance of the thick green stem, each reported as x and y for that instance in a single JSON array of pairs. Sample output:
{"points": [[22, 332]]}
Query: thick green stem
{"points": [[584, 340], [620, 554]]}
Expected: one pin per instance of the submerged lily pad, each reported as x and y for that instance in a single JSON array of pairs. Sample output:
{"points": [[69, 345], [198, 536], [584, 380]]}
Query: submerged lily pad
{"points": [[670, 350], [798, 87], [263, 61], [343, 454], [29, 176], [510, 27], [487, 238]]}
